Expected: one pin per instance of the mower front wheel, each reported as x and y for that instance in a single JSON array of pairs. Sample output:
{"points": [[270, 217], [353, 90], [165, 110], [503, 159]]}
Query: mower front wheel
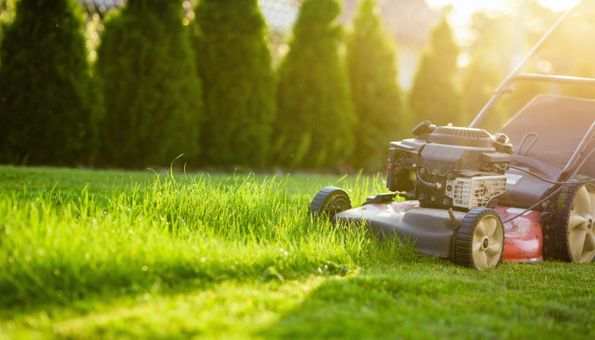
{"points": [[329, 201], [479, 242]]}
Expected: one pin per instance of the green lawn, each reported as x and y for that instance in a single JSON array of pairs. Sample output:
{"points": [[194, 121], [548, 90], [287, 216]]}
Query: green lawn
{"points": [[129, 254]]}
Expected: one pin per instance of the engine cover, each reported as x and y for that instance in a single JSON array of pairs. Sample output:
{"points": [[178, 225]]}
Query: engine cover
{"points": [[449, 167]]}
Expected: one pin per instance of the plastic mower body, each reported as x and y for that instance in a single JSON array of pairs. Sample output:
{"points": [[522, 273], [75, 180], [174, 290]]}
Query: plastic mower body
{"points": [[522, 194], [433, 231]]}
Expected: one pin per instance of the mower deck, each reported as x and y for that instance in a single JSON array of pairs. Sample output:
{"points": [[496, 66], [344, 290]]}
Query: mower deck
{"points": [[432, 230]]}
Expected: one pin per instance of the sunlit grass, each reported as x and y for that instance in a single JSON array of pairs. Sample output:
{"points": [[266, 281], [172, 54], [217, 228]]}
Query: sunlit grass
{"points": [[86, 253], [59, 246]]}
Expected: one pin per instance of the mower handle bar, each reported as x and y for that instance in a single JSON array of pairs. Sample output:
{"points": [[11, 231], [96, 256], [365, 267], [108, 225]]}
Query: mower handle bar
{"points": [[554, 78], [516, 75]]}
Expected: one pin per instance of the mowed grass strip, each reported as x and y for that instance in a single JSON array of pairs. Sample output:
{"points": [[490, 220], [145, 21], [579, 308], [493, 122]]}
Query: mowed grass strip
{"points": [[89, 253]]}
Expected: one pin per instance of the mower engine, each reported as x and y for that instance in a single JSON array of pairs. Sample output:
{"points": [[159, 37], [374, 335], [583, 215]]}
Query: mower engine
{"points": [[449, 167]]}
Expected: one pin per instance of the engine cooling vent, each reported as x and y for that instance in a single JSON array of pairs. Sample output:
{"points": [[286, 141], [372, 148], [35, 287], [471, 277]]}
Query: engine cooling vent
{"points": [[461, 132], [475, 191]]}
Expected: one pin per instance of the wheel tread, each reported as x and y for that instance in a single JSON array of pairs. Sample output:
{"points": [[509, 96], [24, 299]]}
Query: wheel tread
{"points": [[320, 201], [556, 245], [463, 240]]}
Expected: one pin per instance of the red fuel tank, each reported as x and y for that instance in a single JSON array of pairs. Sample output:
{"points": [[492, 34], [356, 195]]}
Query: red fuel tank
{"points": [[523, 238]]}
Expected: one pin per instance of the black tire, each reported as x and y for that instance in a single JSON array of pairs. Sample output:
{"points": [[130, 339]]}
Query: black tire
{"points": [[492, 245], [557, 228], [329, 201]]}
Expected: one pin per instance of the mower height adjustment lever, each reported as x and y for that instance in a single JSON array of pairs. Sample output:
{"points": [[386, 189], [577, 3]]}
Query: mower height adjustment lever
{"points": [[386, 197]]}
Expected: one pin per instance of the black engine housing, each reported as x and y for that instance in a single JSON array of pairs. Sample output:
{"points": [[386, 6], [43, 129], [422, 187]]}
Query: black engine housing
{"points": [[425, 165]]}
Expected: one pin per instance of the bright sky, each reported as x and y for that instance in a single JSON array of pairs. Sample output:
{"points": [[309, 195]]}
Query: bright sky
{"points": [[464, 9]]}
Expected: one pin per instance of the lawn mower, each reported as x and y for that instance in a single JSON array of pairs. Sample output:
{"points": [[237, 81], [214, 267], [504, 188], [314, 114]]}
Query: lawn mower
{"points": [[522, 194]]}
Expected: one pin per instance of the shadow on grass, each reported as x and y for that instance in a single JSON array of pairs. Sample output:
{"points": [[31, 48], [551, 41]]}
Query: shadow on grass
{"points": [[47, 284], [188, 308], [171, 279], [422, 298], [437, 299]]}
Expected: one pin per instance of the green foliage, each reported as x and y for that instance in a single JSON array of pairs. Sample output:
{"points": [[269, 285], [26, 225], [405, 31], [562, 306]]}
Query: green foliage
{"points": [[493, 54], [486, 67], [315, 117], [570, 51], [6, 14], [48, 101], [98, 254], [434, 95], [235, 66], [152, 93], [371, 64]]}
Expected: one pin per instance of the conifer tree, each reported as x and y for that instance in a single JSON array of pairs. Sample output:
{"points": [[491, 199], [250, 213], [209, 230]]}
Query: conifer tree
{"points": [[315, 117], [152, 93], [235, 66], [434, 95], [371, 63], [48, 102], [6, 13], [479, 82]]}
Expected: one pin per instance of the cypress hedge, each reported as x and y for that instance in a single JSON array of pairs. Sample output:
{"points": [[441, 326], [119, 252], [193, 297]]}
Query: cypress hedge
{"points": [[315, 121], [371, 64], [148, 76], [434, 95], [6, 14], [235, 66], [48, 101]]}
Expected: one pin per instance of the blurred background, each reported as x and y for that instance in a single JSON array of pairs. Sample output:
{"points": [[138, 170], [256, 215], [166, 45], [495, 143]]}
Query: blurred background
{"points": [[318, 85]]}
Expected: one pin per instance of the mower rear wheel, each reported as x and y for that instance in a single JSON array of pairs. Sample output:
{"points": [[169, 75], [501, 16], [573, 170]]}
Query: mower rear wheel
{"points": [[479, 242], [570, 233], [329, 201]]}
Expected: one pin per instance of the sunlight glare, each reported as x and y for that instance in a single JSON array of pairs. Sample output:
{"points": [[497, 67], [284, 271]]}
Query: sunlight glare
{"points": [[463, 10], [559, 5]]}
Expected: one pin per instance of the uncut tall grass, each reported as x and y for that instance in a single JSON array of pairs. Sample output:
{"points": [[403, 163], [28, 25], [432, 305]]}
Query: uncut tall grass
{"points": [[57, 245]]}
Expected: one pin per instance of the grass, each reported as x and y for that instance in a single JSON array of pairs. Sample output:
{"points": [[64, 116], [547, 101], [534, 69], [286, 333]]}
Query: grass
{"points": [[133, 254]]}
